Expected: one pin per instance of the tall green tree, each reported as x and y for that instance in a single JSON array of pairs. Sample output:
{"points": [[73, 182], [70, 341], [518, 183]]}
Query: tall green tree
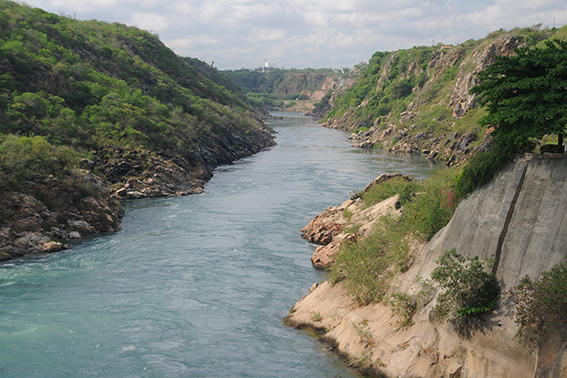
{"points": [[526, 94]]}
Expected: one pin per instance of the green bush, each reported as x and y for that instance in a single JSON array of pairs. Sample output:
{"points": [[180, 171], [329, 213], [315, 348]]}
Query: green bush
{"points": [[368, 265], [25, 157], [387, 189], [468, 290], [541, 305], [481, 168], [405, 306], [433, 207]]}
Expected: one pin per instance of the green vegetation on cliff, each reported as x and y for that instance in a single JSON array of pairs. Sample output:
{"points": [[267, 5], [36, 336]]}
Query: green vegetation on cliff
{"points": [[468, 289], [23, 158], [541, 305], [94, 85], [385, 86], [419, 101]]}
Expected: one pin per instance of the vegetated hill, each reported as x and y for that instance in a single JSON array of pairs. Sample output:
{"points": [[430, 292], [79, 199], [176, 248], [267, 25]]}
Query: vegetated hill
{"points": [[97, 86], [418, 100], [291, 89], [84, 97]]}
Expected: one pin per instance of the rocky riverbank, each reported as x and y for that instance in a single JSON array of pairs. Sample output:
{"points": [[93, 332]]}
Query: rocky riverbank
{"points": [[518, 221], [43, 215], [137, 174]]}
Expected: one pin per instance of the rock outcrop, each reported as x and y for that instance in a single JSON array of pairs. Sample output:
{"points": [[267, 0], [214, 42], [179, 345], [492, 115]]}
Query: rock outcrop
{"points": [[517, 220], [346, 222], [461, 99], [42, 216], [140, 173]]}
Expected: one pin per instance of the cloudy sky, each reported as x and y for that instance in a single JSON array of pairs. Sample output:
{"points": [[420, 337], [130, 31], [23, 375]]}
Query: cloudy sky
{"points": [[310, 33]]}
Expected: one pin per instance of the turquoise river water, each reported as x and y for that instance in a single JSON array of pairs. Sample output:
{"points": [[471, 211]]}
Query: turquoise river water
{"points": [[193, 286]]}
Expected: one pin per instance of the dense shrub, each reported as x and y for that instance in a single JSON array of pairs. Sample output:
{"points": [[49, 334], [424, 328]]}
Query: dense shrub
{"points": [[432, 207], [481, 168], [468, 290], [25, 157], [389, 188], [541, 305], [368, 265]]}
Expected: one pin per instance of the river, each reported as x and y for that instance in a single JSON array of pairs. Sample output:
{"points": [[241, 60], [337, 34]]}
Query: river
{"points": [[193, 286]]}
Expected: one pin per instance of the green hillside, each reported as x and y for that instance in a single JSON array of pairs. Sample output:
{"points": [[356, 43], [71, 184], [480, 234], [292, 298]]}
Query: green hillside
{"points": [[418, 101], [98, 86]]}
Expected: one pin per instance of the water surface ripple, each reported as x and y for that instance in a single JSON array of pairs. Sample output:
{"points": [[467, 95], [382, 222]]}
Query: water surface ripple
{"points": [[194, 286]]}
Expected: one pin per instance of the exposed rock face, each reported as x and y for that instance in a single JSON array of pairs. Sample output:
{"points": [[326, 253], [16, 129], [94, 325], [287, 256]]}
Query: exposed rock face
{"points": [[348, 221], [41, 216], [408, 135], [139, 174], [451, 148], [523, 207], [461, 99]]}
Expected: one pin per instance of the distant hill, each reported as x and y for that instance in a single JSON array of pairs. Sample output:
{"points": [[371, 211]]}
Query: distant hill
{"points": [[418, 101], [291, 89]]}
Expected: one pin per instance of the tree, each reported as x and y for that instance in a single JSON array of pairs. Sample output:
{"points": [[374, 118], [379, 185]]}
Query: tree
{"points": [[526, 94]]}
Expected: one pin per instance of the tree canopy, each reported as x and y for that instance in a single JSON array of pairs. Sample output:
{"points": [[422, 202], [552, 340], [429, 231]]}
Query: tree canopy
{"points": [[526, 94]]}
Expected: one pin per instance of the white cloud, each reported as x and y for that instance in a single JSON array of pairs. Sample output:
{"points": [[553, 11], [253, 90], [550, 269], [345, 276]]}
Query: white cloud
{"points": [[149, 21], [314, 33], [265, 34]]}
